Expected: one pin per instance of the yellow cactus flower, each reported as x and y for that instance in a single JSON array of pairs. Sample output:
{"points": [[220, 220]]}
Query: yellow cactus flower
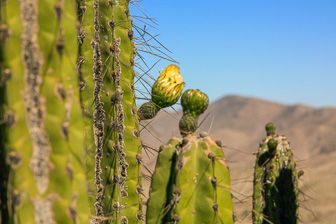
{"points": [[168, 87]]}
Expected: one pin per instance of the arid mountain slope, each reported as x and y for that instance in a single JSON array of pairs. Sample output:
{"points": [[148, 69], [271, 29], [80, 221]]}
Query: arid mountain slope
{"points": [[239, 122]]}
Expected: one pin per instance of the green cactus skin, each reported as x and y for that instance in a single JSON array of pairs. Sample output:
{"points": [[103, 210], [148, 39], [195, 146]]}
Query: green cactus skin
{"points": [[275, 196], [43, 139], [107, 97], [191, 183]]}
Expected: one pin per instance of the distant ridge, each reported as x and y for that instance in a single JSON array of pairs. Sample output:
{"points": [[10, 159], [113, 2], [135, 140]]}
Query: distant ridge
{"points": [[239, 122]]}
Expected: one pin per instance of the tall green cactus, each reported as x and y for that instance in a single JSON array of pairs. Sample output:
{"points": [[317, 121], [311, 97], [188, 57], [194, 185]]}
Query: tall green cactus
{"points": [[275, 195], [107, 96], [191, 183], [41, 136]]}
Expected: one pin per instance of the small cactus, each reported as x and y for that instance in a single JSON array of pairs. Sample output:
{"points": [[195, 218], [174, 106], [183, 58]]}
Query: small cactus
{"points": [[191, 183], [275, 195]]}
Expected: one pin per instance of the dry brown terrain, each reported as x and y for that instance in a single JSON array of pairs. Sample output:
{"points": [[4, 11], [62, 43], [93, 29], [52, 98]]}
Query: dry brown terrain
{"points": [[239, 122]]}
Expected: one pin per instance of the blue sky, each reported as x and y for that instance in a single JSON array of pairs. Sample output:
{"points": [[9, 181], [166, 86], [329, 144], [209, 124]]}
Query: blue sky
{"points": [[283, 51]]}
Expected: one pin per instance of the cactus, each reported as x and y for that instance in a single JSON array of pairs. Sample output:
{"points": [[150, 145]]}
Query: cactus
{"points": [[70, 150], [41, 136], [107, 97], [275, 195], [191, 183]]}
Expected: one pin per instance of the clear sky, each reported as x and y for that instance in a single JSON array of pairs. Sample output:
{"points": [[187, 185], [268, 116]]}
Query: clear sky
{"points": [[278, 50]]}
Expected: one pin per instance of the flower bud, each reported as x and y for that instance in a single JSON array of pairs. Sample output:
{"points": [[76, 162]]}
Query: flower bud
{"points": [[168, 88], [194, 101]]}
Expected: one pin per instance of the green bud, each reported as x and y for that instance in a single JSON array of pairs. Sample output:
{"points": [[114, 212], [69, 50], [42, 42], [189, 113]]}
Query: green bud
{"points": [[270, 129], [194, 101]]}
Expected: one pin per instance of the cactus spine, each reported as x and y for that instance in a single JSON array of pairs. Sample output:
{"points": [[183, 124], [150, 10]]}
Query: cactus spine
{"points": [[43, 141], [275, 196], [191, 183]]}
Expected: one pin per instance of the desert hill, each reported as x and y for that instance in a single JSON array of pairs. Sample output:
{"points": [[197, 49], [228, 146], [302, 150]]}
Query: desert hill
{"points": [[239, 123]]}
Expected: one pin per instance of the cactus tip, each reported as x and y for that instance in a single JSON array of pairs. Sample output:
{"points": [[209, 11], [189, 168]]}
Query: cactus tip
{"points": [[194, 103], [270, 129]]}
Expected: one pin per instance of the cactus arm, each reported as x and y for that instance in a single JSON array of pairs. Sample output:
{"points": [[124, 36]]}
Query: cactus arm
{"points": [[275, 197], [159, 204], [128, 193], [197, 189], [117, 163], [203, 163], [44, 148], [258, 203], [281, 186], [193, 180]]}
